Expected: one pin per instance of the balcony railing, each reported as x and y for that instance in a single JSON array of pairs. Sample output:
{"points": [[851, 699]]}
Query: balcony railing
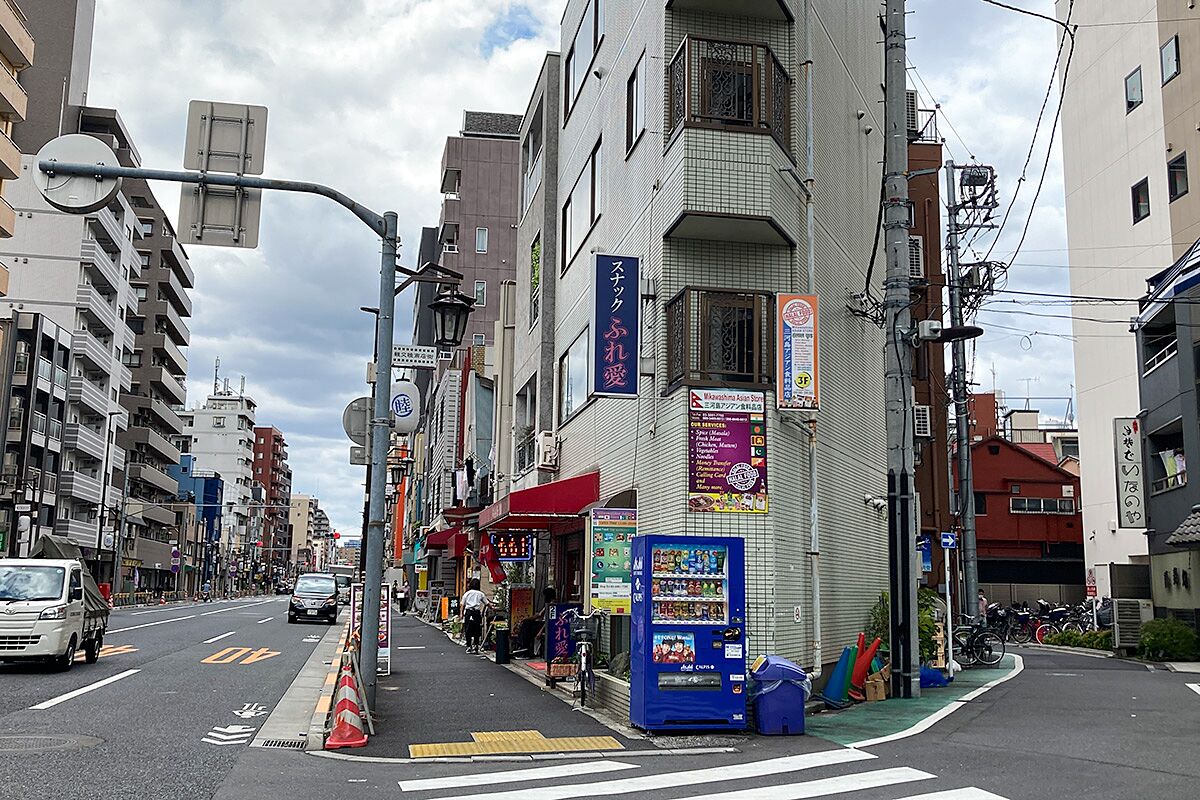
{"points": [[533, 180], [1162, 356], [720, 337], [1168, 483], [729, 85], [525, 453]]}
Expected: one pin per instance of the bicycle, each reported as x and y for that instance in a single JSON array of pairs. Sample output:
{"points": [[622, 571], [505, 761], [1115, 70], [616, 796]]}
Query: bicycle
{"points": [[975, 644], [585, 630]]}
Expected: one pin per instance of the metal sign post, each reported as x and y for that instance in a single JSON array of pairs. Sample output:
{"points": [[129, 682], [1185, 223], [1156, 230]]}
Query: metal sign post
{"points": [[949, 542]]}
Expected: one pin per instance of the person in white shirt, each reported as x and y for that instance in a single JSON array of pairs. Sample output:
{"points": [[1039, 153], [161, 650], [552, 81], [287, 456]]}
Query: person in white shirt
{"points": [[471, 613]]}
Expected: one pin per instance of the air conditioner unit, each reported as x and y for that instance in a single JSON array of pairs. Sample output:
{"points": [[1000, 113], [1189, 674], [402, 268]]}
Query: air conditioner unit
{"points": [[547, 450], [916, 256], [910, 114], [1128, 616], [923, 422]]}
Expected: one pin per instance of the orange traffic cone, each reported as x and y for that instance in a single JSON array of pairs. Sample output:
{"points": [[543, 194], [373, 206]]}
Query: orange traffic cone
{"points": [[859, 676], [348, 728]]}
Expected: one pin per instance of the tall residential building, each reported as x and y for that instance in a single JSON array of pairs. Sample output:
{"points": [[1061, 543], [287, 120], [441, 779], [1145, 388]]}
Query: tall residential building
{"points": [[308, 523], [16, 56], [271, 470], [1128, 128], [220, 434], [323, 541], [204, 489]]}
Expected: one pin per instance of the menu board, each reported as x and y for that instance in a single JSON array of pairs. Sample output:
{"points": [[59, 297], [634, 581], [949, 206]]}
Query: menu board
{"points": [[513, 546], [689, 585], [613, 530], [727, 451]]}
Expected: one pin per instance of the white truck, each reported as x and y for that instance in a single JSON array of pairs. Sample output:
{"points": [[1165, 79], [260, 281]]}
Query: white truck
{"points": [[50, 608]]}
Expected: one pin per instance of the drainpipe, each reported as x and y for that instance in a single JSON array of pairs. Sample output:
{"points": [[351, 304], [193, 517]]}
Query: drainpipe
{"points": [[814, 545]]}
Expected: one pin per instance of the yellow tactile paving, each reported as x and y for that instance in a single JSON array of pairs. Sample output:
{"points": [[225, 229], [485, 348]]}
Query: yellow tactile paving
{"points": [[490, 743]]}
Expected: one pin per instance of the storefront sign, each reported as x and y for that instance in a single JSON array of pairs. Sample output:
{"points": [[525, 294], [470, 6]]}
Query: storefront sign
{"points": [[727, 451], [615, 326], [558, 632], [1131, 483], [796, 348], [513, 545], [520, 605], [383, 664], [613, 530]]}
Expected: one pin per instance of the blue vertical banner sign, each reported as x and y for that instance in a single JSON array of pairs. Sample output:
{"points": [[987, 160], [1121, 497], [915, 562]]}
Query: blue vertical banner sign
{"points": [[615, 326]]}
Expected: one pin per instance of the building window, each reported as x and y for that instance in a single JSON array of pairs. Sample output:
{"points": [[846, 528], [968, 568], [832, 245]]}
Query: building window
{"points": [[140, 291], [583, 50], [218, 422], [478, 339], [980, 504], [720, 337], [1016, 488], [1169, 57], [1041, 505], [535, 279], [145, 258], [481, 237], [1177, 178], [635, 104], [1133, 90], [1140, 194], [572, 378], [147, 227], [582, 208], [480, 294]]}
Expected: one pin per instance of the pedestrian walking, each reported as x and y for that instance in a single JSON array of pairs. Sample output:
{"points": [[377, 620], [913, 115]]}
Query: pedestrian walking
{"points": [[983, 604], [471, 613], [405, 596]]}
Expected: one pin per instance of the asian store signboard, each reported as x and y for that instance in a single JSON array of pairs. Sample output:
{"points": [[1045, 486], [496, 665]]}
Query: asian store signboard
{"points": [[613, 530], [727, 451], [796, 352], [615, 326]]}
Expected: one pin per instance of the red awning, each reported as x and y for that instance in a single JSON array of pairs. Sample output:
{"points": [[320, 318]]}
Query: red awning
{"points": [[537, 507], [441, 538], [458, 545]]}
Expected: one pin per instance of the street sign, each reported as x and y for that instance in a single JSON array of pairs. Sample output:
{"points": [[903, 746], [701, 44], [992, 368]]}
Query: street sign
{"points": [[1090, 584], [406, 406], [356, 420], [358, 456], [411, 355], [76, 194], [949, 540], [225, 137], [219, 216]]}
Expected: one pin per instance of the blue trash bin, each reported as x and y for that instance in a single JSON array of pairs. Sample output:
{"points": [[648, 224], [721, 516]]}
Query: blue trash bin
{"points": [[781, 689]]}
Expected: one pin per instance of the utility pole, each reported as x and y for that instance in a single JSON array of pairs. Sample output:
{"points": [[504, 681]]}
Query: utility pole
{"points": [[898, 386]]}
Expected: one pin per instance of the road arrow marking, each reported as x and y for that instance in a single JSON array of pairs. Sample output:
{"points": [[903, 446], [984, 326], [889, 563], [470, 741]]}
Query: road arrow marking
{"points": [[1195, 687], [229, 734]]}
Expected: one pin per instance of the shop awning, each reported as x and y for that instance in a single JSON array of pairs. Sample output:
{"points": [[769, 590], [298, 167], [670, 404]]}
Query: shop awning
{"points": [[440, 539], [458, 545], [538, 506]]}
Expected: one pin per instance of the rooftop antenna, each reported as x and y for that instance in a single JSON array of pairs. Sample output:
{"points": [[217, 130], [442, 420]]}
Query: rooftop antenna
{"points": [[1028, 393], [227, 387], [242, 388], [993, 377], [217, 377]]}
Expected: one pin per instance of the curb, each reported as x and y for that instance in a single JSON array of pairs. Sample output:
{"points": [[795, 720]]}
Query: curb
{"points": [[318, 723], [1075, 651], [529, 758]]}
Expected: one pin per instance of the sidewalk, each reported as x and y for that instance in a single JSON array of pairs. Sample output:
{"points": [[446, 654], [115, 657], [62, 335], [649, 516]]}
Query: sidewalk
{"points": [[441, 702]]}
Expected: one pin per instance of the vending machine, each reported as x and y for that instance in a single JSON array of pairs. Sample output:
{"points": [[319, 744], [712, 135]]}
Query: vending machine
{"points": [[688, 655]]}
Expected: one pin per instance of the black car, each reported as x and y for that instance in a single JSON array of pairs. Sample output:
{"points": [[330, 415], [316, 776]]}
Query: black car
{"points": [[314, 598]]}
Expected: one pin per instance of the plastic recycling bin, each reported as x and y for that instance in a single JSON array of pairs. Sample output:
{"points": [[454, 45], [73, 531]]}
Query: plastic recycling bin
{"points": [[780, 690], [503, 651]]}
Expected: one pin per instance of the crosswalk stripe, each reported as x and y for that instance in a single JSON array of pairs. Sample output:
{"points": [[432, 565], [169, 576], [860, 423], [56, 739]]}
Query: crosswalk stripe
{"points": [[969, 793], [824, 786], [671, 780], [515, 776]]}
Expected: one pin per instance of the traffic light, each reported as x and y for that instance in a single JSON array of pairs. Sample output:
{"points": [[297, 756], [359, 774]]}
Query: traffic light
{"points": [[336, 535]]}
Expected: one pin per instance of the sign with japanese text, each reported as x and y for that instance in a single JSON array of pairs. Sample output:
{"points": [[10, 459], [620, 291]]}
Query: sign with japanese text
{"points": [[559, 642], [615, 326], [613, 530], [383, 664], [1131, 480], [520, 604], [727, 451], [796, 352], [513, 545]]}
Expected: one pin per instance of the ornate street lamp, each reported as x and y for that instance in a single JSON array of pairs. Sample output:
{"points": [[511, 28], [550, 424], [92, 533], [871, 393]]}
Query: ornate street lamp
{"points": [[451, 310]]}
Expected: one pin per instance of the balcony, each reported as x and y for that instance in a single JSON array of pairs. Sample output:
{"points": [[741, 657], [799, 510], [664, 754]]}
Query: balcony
{"points": [[761, 9], [105, 228], [153, 476], [8, 219], [167, 320], [78, 436], [81, 390], [160, 410], [16, 42], [101, 264], [79, 531], [174, 257], [97, 308], [154, 513], [13, 100], [168, 385], [10, 156], [81, 486], [532, 182], [155, 442], [91, 349], [175, 292], [721, 339]]}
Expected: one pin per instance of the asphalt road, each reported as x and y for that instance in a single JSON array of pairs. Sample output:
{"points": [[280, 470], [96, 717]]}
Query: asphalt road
{"points": [[144, 731]]}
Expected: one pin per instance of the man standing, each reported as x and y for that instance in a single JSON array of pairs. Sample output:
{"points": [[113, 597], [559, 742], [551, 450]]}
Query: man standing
{"points": [[404, 596], [983, 604], [471, 613]]}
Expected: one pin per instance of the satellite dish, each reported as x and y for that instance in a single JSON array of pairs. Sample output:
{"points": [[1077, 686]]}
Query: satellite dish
{"points": [[76, 194]]}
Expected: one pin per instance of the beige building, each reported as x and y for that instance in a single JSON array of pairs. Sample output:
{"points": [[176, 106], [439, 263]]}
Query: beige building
{"points": [[1129, 131], [304, 521], [16, 54]]}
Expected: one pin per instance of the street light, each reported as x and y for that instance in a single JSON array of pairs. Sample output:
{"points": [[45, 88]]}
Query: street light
{"points": [[450, 312]]}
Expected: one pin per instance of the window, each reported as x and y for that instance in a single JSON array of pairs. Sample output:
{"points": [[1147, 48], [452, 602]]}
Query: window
{"points": [[572, 378], [717, 337], [635, 104], [481, 237], [1016, 488], [478, 339], [535, 279], [980, 504], [145, 258], [140, 291], [1041, 505], [218, 422], [1169, 58], [582, 208], [583, 50], [1133, 90], [1140, 194], [1177, 178], [480, 294], [147, 227]]}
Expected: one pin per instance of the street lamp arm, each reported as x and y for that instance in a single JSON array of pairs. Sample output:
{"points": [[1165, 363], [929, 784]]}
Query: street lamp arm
{"points": [[374, 221]]}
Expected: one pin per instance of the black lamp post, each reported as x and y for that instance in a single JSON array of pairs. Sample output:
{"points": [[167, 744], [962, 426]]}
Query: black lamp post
{"points": [[451, 310]]}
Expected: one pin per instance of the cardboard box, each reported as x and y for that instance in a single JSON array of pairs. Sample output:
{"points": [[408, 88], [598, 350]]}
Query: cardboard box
{"points": [[876, 690]]}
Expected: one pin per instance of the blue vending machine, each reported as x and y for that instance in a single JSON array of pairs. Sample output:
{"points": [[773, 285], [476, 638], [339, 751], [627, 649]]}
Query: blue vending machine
{"points": [[688, 655]]}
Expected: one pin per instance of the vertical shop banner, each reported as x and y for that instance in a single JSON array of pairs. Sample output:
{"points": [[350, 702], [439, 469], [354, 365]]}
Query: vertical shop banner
{"points": [[487, 557], [383, 665], [1131, 481], [615, 326], [520, 605], [613, 530], [796, 348], [727, 451], [559, 642]]}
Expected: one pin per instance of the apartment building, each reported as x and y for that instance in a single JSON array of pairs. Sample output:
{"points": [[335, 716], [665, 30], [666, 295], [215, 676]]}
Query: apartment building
{"points": [[1128, 129], [16, 56], [271, 470], [302, 519], [203, 491]]}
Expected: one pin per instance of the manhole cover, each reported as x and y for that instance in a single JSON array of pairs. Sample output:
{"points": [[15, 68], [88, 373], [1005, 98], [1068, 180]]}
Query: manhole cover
{"points": [[44, 743]]}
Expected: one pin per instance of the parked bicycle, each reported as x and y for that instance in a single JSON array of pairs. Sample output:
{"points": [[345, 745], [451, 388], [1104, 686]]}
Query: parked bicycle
{"points": [[585, 630], [976, 644]]}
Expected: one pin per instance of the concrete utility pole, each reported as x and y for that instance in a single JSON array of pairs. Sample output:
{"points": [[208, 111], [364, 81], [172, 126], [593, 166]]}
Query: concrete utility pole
{"points": [[898, 386]]}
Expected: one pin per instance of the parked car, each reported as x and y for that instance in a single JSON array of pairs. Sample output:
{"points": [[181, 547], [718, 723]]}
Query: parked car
{"points": [[49, 611], [315, 597]]}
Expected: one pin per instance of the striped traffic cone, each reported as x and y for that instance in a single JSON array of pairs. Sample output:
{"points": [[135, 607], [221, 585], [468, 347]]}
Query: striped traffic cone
{"points": [[348, 730]]}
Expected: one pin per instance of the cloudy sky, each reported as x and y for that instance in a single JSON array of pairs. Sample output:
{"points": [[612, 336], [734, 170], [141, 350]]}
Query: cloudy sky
{"points": [[362, 94]]}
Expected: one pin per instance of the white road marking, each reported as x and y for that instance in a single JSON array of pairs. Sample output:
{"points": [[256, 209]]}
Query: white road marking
{"points": [[1195, 687], [219, 638], [825, 786], [230, 734], [235, 608], [160, 610], [969, 793], [672, 780], [261, 621], [514, 776], [62, 698], [151, 624], [409, 647]]}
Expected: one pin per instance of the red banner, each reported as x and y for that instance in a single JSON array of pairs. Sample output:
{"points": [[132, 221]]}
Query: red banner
{"points": [[487, 557]]}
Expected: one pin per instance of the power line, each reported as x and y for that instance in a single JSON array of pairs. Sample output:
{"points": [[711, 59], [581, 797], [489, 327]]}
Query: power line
{"points": [[937, 107]]}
